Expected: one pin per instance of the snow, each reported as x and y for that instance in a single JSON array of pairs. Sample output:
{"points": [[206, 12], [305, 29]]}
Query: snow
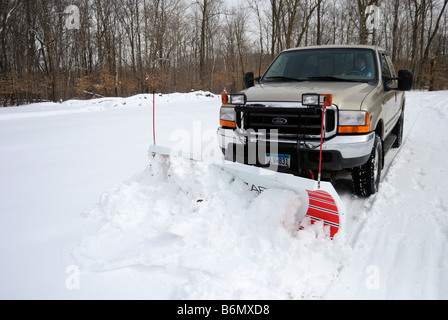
{"points": [[86, 213]]}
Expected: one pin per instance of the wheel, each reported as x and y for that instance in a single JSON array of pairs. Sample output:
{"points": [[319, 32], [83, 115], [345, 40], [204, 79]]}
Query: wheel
{"points": [[398, 131], [366, 178]]}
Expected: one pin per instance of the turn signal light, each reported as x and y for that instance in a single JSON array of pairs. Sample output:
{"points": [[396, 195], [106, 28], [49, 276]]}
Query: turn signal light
{"points": [[224, 98], [355, 123], [227, 124]]}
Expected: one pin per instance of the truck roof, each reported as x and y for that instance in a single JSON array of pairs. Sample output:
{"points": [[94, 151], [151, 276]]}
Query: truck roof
{"points": [[338, 46]]}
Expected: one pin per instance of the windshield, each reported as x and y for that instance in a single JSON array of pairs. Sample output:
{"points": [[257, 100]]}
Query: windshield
{"points": [[354, 65]]}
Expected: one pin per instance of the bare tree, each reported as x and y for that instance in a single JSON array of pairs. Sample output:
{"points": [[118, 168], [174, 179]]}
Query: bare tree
{"points": [[362, 7], [124, 47]]}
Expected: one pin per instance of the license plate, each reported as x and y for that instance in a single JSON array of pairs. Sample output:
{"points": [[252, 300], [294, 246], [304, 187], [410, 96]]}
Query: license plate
{"points": [[281, 160]]}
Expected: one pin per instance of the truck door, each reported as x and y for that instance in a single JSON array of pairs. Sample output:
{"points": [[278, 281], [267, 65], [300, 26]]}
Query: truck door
{"points": [[391, 108]]}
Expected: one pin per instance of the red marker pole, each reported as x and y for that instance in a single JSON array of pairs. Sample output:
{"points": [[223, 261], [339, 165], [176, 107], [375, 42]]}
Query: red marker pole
{"points": [[321, 147], [154, 117], [327, 103]]}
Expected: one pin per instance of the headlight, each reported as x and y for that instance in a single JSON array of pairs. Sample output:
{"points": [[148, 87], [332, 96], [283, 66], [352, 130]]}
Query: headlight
{"points": [[354, 121], [315, 100], [238, 99], [227, 117], [311, 100]]}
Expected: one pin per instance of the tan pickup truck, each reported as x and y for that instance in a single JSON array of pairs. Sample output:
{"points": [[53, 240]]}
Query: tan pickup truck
{"points": [[277, 123]]}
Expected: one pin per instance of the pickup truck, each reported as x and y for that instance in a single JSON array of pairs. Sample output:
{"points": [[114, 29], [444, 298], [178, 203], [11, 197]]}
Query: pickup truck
{"points": [[319, 109]]}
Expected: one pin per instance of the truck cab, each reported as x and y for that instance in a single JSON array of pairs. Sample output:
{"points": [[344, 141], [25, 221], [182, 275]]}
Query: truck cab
{"points": [[332, 108]]}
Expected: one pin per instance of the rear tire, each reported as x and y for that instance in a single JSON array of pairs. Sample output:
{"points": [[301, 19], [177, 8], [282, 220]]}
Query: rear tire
{"points": [[366, 178]]}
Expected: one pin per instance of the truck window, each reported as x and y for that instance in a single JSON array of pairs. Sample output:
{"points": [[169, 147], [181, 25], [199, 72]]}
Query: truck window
{"points": [[385, 70], [323, 65]]}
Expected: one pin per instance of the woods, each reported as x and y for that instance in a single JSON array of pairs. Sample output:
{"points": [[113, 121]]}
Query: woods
{"points": [[62, 49]]}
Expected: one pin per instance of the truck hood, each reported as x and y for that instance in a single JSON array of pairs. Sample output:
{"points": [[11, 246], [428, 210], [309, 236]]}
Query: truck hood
{"points": [[346, 95]]}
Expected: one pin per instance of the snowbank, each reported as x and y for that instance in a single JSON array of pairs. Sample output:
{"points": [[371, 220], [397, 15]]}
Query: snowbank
{"points": [[198, 221]]}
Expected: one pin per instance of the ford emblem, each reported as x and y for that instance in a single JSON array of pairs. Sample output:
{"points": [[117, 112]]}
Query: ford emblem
{"points": [[279, 121]]}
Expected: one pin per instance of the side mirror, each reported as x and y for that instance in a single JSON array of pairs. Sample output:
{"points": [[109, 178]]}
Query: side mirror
{"points": [[249, 80], [405, 80]]}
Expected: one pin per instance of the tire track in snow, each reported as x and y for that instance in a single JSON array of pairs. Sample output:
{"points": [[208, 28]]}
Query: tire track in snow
{"points": [[401, 231]]}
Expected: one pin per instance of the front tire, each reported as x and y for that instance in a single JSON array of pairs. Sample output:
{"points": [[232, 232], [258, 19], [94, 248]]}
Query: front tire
{"points": [[366, 178]]}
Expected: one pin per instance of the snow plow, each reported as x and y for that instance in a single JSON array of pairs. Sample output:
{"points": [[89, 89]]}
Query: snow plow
{"points": [[319, 200]]}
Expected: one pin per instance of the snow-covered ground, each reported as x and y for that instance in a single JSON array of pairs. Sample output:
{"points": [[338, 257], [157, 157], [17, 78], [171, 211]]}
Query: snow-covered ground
{"points": [[85, 213]]}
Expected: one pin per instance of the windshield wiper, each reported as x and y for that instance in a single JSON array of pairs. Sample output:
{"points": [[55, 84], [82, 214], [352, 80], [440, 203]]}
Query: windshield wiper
{"points": [[328, 78], [281, 78]]}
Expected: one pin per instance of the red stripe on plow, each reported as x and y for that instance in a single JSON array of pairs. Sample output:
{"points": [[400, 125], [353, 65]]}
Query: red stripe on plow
{"points": [[322, 207]]}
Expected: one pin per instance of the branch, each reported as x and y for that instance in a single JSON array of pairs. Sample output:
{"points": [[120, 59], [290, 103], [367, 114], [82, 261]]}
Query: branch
{"points": [[11, 14]]}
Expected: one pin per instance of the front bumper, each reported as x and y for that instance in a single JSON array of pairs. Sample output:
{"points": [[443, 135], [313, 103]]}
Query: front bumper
{"points": [[340, 152]]}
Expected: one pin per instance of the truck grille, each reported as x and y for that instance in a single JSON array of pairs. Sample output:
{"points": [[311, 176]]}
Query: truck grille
{"points": [[289, 122]]}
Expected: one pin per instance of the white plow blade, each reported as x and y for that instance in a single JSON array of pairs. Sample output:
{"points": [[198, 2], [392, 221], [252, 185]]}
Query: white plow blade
{"points": [[323, 204]]}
